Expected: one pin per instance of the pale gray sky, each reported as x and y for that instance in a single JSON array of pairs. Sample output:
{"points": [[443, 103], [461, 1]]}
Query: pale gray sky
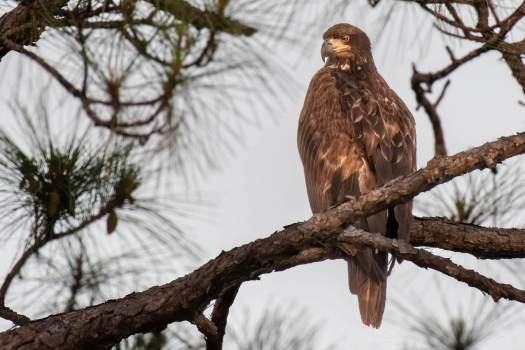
{"points": [[262, 187]]}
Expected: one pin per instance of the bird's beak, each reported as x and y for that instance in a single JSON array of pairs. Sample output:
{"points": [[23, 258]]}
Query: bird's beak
{"points": [[326, 49]]}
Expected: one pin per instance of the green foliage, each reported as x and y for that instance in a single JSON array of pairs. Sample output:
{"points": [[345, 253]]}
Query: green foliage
{"points": [[56, 191], [66, 185]]}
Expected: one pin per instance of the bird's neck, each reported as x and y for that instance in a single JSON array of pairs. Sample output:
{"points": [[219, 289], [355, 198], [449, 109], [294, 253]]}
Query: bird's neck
{"points": [[357, 63]]}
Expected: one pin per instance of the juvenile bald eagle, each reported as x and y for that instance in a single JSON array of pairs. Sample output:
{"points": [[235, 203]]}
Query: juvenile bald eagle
{"points": [[356, 134]]}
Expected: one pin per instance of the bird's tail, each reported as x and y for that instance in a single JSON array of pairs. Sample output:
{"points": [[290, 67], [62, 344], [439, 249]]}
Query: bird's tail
{"points": [[367, 273]]}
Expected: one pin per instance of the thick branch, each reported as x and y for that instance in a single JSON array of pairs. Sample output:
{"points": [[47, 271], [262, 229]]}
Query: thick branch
{"points": [[314, 240], [481, 242], [425, 259], [32, 13]]}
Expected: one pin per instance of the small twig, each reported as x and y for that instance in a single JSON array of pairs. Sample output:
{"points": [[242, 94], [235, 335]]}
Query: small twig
{"points": [[442, 94], [122, 128], [422, 84], [430, 78], [16, 318], [40, 243], [205, 326], [219, 316], [451, 54], [77, 273], [430, 108], [17, 267]]}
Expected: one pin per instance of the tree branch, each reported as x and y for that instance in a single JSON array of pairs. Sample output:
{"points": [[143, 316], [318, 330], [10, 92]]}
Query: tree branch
{"points": [[490, 32], [13, 316], [35, 13], [219, 316], [425, 259], [188, 13], [517, 67], [313, 240], [418, 81], [481, 242]]}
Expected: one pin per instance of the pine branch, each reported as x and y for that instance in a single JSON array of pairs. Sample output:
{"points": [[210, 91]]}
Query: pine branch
{"points": [[425, 259], [219, 316], [25, 23], [317, 239], [481, 242], [188, 13]]}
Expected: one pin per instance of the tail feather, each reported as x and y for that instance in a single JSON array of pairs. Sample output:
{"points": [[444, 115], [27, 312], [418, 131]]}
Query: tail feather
{"points": [[367, 279]]}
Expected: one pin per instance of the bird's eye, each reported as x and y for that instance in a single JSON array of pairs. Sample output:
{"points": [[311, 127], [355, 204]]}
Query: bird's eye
{"points": [[346, 38]]}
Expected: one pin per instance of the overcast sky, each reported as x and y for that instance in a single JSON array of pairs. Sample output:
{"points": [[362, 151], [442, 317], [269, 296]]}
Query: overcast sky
{"points": [[262, 188]]}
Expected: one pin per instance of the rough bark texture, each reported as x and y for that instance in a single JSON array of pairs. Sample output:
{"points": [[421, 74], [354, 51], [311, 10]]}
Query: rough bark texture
{"points": [[219, 317], [24, 24], [313, 240], [517, 67], [481, 242], [425, 259]]}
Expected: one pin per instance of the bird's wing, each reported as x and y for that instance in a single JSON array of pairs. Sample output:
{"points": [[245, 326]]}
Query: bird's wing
{"points": [[390, 144], [388, 134], [332, 160]]}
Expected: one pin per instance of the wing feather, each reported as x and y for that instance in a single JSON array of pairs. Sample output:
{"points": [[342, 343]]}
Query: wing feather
{"points": [[331, 158]]}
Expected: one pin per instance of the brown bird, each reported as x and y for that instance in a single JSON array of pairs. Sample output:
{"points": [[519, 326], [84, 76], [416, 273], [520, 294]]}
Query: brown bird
{"points": [[356, 134]]}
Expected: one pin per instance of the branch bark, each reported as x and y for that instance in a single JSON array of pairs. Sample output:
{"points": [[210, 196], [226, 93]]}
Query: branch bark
{"points": [[517, 67], [313, 240], [481, 242], [33, 13], [425, 259], [219, 316]]}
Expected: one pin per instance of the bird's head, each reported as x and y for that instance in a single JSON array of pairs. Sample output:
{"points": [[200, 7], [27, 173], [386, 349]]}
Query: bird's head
{"points": [[343, 43]]}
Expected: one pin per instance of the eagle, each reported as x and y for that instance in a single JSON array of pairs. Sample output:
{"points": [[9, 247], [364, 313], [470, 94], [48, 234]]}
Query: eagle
{"points": [[356, 134]]}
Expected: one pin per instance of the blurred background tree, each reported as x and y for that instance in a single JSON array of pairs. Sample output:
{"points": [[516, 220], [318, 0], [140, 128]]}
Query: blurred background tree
{"points": [[116, 106]]}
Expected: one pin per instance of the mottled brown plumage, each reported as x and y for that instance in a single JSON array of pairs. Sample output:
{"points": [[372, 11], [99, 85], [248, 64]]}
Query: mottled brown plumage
{"points": [[355, 134]]}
